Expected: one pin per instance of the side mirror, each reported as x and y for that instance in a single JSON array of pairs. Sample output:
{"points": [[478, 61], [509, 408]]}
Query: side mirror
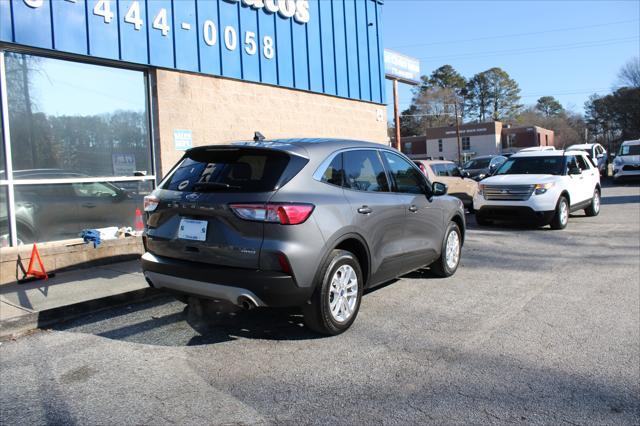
{"points": [[439, 189], [464, 174], [574, 171]]}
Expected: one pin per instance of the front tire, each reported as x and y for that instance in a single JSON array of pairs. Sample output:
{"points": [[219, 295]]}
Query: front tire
{"points": [[594, 207], [336, 300], [561, 216], [449, 259]]}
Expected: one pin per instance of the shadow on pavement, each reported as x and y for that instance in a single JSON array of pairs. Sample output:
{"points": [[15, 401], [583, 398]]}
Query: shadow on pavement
{"points": [[621, 199], [167, 322]]}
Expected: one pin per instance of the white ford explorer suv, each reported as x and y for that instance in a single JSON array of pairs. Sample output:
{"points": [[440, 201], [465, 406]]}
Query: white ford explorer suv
{"points": [[627, 162], [543, 187]]}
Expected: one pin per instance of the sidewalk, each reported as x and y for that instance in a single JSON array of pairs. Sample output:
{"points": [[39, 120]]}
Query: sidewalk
{"points": [[24, 307]]}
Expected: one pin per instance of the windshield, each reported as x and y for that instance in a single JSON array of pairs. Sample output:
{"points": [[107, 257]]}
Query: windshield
{"points": [[477, 163], [228, 170], [532, 166], [630, 150]]}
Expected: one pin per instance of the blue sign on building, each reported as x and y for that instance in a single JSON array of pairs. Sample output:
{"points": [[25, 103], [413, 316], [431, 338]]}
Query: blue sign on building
{"points": [[326, 46]]}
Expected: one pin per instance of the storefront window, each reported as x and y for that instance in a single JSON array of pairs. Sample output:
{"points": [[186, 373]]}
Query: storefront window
{"points": [[81, 132], [76, 120], [5, 239], [60, 211]]}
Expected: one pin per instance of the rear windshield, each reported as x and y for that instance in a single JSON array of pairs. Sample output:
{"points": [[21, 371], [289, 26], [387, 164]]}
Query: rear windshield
{"points": [[630, 150], [532, 166], [228, 170]]}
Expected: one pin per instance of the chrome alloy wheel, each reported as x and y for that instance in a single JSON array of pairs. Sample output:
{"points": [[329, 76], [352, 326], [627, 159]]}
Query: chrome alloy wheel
{"points": [[343, 293], [453, 249], [564, 213], [596, 202]]}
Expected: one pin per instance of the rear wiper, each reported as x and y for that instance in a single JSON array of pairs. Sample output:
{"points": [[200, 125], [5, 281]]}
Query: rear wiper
{"points": [[214, 186]]}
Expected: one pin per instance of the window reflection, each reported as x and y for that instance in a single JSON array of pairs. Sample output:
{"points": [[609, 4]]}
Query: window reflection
{"points": [[5, 239], [61, 211], [69, 117]]}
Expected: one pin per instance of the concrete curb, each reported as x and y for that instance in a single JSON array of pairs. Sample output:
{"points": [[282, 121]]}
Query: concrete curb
{"points": [[15, 327]]}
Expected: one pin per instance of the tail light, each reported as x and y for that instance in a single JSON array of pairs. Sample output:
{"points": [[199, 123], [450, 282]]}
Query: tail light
{"points": [[150, 203], [285, 214]]}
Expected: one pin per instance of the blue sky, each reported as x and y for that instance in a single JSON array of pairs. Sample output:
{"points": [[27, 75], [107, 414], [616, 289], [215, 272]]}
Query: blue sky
{"points": [[567, 49]]}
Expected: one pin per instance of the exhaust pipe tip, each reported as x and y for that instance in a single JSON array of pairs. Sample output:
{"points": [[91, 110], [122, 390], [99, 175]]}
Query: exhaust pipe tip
{"points": [[246, 303]]}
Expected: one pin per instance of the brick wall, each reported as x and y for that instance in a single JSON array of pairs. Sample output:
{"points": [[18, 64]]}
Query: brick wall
{"points": [[219, 110]]}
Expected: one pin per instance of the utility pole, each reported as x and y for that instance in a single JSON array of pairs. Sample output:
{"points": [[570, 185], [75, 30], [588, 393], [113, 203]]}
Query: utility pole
{"points": [[396, 113], [455, 105]]}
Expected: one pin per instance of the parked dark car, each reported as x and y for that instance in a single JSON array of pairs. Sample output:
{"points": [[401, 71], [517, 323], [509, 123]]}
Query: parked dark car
{"points": [[46, 212], [308, 223], [482, 166]]}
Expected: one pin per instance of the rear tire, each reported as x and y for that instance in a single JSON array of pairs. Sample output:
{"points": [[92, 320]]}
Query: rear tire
{"points": [[449, 259], [561, 216], [335, 303], [594, 207]]}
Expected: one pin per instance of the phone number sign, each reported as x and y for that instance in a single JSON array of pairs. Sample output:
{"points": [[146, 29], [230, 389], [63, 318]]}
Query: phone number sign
{"points": [[327, 46]]}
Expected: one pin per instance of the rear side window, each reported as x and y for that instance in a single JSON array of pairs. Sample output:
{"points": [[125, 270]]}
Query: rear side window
{"points": [[439, 169], [364, 172], [582, 163], [334, 174], [229, 170], [452, 170]]}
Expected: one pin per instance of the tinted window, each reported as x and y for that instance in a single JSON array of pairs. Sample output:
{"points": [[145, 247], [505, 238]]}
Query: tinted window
{"points": [[572, 163], [453, 170], [364, 171], [229, 170], [439, 169], [532, 165], [406, 177], [477, 163], [582, 163], [334, 173], [630, 150]]}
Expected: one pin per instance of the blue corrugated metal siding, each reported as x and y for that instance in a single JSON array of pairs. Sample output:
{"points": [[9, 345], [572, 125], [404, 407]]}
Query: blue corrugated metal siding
{"points": [[337, 52], [70, 32]]}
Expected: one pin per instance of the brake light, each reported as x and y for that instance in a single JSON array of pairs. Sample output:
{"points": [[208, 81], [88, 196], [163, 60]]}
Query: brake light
{"points": [[285, 214], [150, 203]]}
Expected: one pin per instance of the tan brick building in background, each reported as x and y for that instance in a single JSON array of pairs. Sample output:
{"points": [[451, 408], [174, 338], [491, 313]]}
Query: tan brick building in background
{"points": [[475, 139]]}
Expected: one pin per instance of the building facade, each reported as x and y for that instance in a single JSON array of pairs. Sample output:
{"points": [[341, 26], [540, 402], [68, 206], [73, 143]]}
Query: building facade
{"points": [[101, 97], [441, 143]]}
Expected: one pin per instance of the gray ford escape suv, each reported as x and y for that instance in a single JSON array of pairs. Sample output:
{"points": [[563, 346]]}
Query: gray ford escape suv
{"points": [[304, 222]]}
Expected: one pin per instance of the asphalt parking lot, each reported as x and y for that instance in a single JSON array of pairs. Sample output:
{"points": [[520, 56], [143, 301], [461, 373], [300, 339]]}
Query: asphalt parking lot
{"points": [[537, 326]]}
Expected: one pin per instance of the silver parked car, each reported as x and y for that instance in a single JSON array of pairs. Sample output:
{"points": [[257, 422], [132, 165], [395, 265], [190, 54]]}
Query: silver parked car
{"points": [[305, 222]]}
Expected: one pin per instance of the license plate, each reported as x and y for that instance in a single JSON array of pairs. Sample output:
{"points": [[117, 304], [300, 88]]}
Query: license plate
{"points": [[193, 230]]}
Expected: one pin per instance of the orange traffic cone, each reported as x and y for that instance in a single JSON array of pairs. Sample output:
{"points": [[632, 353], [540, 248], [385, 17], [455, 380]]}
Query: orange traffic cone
{"points": [[32, 273], [139, 224]]}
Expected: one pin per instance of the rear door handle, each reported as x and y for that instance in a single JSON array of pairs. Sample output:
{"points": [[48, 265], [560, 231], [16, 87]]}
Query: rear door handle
{"points": [[365, 210], [88, 205], [413, 208]]}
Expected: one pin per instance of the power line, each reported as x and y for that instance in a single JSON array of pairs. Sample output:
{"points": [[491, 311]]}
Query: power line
{"points": [[532, 95], [516, 35], [538, 49]]}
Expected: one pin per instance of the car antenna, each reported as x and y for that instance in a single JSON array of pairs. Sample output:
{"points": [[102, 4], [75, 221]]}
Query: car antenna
{"points": [[258, 137]]}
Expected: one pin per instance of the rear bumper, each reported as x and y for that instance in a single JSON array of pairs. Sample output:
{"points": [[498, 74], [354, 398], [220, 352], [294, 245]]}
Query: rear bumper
{"points": [[516, 213], [235, 285]]}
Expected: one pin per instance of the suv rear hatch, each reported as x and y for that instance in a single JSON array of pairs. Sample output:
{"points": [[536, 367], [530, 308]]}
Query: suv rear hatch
{"points": [[193, 220]]}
